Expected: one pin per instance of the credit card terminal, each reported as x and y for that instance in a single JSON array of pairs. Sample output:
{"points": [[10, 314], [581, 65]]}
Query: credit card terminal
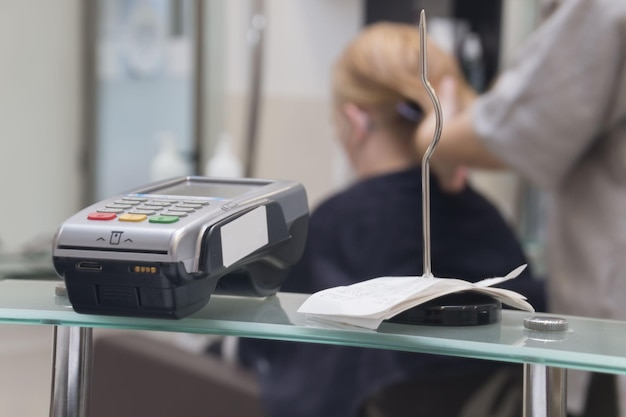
{"points": [[162, 250]]}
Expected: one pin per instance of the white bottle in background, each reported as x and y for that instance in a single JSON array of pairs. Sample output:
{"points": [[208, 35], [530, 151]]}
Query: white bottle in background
{"points": [[224, 162], [441, 31], [168, 162]]}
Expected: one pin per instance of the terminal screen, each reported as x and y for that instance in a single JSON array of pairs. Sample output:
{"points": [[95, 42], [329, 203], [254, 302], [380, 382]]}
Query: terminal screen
{"points": [[207, 189]]}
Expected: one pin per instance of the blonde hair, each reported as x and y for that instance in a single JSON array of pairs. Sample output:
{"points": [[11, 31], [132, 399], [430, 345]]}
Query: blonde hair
{"points": [[380, 68]]}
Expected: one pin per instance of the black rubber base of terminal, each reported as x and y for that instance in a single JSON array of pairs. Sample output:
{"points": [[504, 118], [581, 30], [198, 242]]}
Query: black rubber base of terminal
{"points": [[459, 309]]}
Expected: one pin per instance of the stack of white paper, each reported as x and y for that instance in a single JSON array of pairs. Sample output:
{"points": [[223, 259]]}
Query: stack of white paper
{"points": [[368, 303]]}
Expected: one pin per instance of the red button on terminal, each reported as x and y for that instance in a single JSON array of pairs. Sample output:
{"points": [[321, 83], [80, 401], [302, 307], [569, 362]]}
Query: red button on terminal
{"points": [[101, 216]]}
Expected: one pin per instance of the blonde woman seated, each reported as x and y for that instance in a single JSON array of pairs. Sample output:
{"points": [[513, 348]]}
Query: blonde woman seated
{"points": [[374, 228]]}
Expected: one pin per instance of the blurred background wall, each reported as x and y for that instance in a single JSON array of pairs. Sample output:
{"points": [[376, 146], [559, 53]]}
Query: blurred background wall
{"points": [[40, 116], [82, 102]]}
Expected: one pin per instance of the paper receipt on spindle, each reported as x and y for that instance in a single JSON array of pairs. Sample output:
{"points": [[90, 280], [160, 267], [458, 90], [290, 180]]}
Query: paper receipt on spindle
{"points": [[369, 303]]}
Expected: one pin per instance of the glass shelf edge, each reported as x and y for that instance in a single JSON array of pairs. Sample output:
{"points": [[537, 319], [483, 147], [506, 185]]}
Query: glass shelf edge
{"points": [[33, 302]]}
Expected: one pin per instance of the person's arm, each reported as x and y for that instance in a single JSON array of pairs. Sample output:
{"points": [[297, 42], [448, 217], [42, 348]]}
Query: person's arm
{"points": [[546, 110]]}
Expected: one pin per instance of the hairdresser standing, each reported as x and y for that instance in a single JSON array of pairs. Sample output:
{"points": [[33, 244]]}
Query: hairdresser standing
{"points": [[557, 116]]}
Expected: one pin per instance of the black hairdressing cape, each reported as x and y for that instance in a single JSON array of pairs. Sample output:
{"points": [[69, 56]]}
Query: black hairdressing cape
{"points": [[372, 229]]}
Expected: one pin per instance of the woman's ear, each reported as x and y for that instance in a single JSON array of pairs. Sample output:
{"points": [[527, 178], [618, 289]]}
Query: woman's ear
{"points": [[358, 119]]}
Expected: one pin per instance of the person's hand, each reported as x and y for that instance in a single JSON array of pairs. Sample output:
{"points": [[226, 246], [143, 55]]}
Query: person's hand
{"points": [[451, 177]]}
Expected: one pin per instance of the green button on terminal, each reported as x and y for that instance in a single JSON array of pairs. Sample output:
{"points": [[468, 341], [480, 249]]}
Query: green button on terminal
{"points": [[163, 219]]}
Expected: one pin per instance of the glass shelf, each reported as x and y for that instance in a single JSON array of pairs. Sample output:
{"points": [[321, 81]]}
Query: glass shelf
{"points": [[589, 344]]}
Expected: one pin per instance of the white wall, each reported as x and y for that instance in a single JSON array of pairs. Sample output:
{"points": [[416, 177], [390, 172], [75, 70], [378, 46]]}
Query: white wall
{"points": [[302, 41], [39, 116], [519, 19], [40, 111]]}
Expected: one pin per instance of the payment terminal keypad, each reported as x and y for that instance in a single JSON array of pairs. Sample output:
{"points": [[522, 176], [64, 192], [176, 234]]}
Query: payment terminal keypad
{"points": [[154, 210]]}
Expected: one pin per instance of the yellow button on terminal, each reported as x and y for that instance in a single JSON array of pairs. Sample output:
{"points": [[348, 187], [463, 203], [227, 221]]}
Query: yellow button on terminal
{"points": [[132, 217]]}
